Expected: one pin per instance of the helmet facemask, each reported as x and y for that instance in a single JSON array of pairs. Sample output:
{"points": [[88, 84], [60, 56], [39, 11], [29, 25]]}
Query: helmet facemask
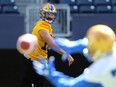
{"points": [[48, 16], [48, 13]]}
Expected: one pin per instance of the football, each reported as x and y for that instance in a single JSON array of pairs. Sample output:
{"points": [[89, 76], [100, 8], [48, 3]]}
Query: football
{"points": [[26, 43]]}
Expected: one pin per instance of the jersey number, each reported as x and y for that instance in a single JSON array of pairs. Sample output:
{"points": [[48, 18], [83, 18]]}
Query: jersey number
{"points": [[44, 47]]}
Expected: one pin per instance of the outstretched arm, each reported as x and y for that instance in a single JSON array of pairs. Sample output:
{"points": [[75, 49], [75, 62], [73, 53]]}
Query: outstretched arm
{"points": [[50, 41], [70, 47], [58, 79]]}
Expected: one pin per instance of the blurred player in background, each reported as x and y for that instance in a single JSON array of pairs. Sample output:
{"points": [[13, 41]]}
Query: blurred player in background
{"points": [[102, 73], [43, 31]]}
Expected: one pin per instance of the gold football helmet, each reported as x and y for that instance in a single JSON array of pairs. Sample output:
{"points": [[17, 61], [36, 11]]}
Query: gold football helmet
{"points": [[100, 40], [46, 10]]}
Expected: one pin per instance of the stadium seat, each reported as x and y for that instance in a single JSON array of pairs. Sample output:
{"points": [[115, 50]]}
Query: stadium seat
{"points": [[102, 2], [104, 9], [10, 9], [7, 2], [74, 9], [113, 2], [72, 2], [64, 1], [0, 9], [84, 2], [114, 9], [87, 9]]}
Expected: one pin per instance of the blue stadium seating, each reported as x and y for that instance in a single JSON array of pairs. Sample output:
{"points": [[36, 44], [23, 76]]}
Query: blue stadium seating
{"points": [[104, 9], [10, 9], [8, 6], [102, 2], [64, 1], [73, 2], [87, 9], [74, 8], [114, 9], [0, 9], [91, 6], [7, 2], [70, 2], [84, 2], [113, 2]]}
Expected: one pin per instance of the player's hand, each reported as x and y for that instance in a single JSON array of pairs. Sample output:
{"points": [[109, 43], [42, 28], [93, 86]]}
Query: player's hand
{"points": [[70, 60], [42, 68]]}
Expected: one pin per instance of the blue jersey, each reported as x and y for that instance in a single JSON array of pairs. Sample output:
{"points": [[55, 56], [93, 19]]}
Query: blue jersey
{"points": [[101, 73]]}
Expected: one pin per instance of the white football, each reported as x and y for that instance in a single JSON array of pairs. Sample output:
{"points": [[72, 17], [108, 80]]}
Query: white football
{"points": [[26, 43]]}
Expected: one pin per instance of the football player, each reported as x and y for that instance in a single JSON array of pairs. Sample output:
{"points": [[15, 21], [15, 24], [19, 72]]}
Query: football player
{"points": [[43, 31], [101, 73]]}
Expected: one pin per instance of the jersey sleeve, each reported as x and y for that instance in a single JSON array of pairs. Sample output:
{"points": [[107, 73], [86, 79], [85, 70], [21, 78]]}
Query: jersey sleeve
{"points": [[58, 79]]}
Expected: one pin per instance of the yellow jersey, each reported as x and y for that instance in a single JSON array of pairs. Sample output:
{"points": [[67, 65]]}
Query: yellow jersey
{"points": [[42, 48]]}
